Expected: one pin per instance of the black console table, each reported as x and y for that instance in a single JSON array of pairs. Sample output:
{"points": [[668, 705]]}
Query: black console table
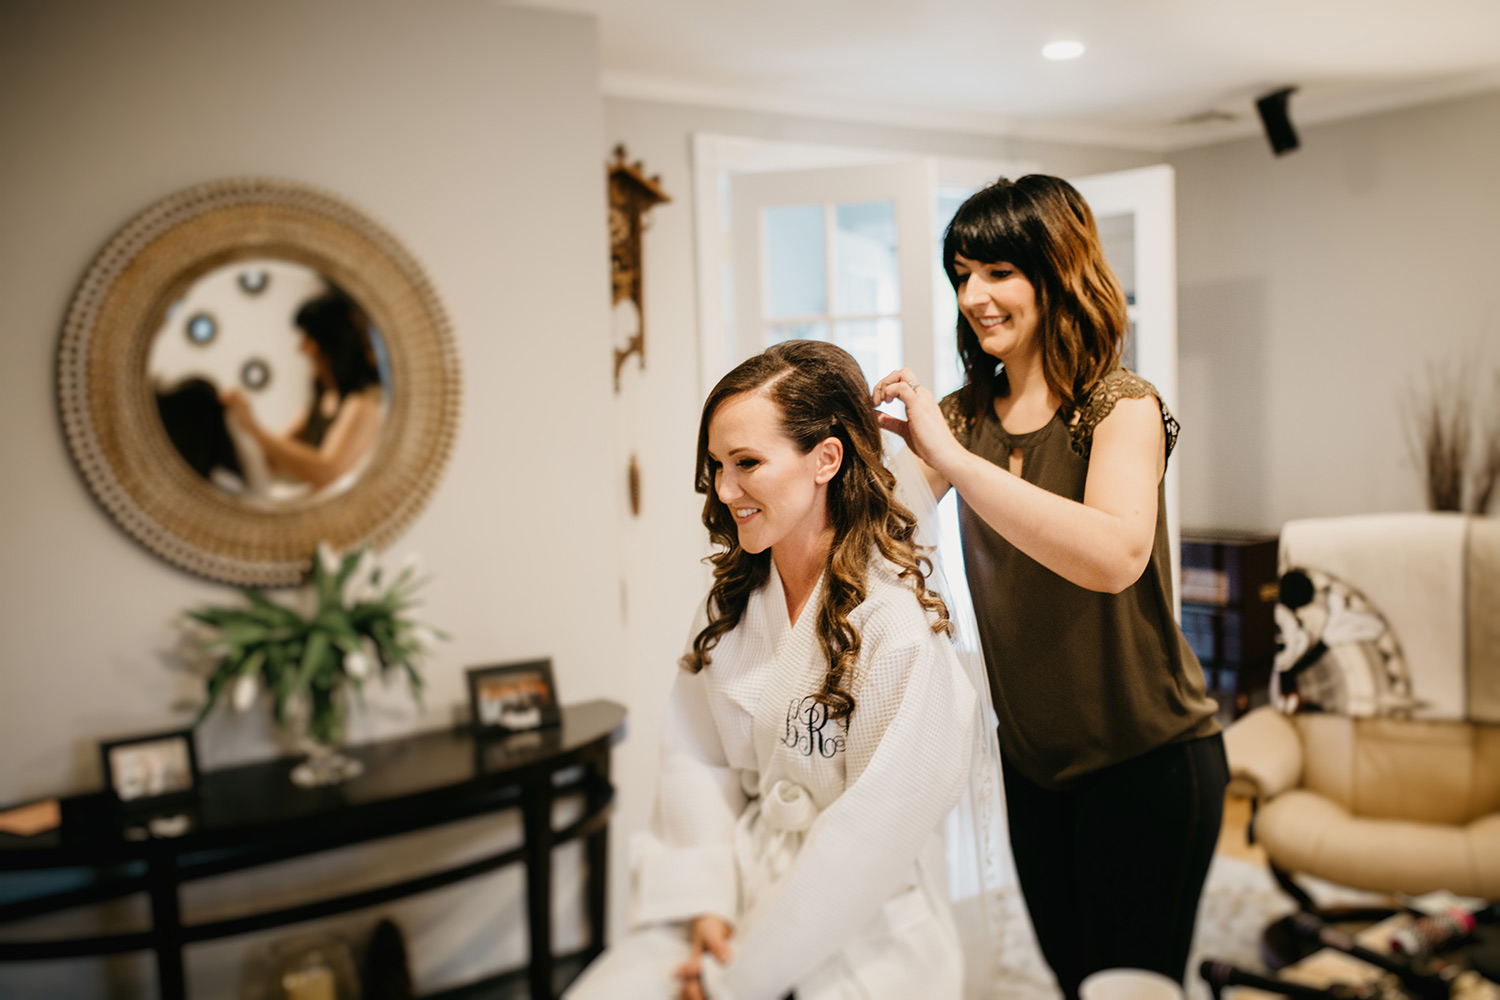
{"points": [[254, 815]]}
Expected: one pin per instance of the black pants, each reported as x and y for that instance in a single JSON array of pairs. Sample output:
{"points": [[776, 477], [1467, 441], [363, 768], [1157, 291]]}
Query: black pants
{"points": [[1112, 868]]}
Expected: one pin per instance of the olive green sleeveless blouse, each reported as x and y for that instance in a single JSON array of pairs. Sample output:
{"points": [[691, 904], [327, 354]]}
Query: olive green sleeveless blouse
{"points": [[1081, 680]]}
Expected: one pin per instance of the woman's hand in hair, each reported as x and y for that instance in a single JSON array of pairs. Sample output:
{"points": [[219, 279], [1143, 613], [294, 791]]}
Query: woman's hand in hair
{"points": [[925, 430], [710, 934]]}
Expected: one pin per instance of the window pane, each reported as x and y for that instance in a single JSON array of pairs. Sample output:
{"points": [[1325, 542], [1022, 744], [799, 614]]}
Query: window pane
{"points": [[867, 276], [1117, 237], [796, 271], [949, 373], [780, 333], [875, 344]]}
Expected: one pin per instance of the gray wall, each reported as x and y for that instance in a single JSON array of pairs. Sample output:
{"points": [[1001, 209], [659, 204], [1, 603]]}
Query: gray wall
{"points": [[1314, 291], [472, 131]]}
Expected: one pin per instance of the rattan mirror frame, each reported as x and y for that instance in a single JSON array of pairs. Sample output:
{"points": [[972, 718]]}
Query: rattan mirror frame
{"points": [[108, 410]]}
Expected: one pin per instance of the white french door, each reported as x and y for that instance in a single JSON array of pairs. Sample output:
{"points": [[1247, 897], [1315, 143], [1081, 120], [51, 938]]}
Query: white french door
{"points": [[1137, 215], [841, 254], [847, 253]]}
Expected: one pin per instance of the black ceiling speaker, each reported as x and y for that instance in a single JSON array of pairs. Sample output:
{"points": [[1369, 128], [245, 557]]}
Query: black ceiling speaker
{"points": [[1273, 116]]}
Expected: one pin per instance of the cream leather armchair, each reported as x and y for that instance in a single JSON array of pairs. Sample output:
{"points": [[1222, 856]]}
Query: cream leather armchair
{"points": [[1382, 804], [1409, 800]]}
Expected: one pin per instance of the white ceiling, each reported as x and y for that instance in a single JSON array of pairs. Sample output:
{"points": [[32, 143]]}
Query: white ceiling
{"points": [[1158, 74]]}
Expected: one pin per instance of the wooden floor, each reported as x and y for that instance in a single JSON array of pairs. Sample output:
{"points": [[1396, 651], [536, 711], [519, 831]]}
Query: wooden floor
{"points": [[1233, 841]]}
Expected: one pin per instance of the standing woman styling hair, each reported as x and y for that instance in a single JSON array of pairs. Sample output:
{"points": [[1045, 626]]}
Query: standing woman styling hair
{"points": [[819, 731], [1114, 766], [346, 408]]}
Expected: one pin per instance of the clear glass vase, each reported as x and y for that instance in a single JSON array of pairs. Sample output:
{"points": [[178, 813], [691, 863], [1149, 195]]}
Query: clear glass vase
{"points": [[325, 763]]}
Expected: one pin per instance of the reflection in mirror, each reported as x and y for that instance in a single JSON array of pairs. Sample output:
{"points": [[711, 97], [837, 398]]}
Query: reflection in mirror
{"points": [[255, 374], [254, 280], [270, 382], [201, 329]]}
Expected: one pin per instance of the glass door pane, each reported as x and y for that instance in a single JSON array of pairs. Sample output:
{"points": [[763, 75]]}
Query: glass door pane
{"points": [[875, 344], [1117, 237], [866, 265], [836, 253], [948, 367], [780, 333], [796, 274]]}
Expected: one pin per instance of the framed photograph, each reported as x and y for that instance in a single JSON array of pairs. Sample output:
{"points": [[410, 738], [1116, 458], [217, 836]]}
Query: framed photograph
{"points": [[149, 771], [513, 697]]}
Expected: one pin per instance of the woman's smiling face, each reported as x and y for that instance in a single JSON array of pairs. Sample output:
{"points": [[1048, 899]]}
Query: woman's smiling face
{"points": [[1000, 304], [774, 492]]}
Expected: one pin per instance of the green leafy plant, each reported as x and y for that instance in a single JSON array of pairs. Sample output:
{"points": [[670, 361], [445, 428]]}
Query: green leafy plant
{"points": [[352, 623]]}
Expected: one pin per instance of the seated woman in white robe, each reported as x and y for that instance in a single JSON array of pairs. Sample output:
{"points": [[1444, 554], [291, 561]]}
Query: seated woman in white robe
{"points": [[820, 730]]}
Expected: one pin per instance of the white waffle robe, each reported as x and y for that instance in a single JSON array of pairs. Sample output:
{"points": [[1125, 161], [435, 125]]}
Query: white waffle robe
{"points": [[820, 843]]}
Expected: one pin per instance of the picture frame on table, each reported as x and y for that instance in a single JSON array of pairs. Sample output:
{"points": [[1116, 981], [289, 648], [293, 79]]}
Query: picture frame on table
{"points": [[145, 772], [513, 697]]}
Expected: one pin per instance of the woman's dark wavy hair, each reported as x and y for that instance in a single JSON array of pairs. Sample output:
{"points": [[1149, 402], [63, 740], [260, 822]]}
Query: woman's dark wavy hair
{"points": [[820, 393], [1043, 226], [340, 328]]}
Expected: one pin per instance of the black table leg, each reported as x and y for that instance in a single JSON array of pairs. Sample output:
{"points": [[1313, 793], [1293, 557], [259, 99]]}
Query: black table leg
{"points": [[166, 925], [597, 848], [538, 821]]}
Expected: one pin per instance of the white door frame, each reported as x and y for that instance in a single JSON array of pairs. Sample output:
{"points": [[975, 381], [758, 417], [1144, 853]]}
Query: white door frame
{"points": [[907, 184], [717, 156], [1149, 194]]}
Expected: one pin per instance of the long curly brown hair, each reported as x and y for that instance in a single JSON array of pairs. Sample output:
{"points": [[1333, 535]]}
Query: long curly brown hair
{"points": [[820, 393], [1043, 226]]}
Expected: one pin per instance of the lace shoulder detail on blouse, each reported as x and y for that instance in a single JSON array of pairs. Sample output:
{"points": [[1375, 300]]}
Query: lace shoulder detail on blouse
{"points": [[959, 413], [1114, 386]]}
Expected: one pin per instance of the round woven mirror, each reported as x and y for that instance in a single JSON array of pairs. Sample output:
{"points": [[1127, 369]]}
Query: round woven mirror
{"points": [[251, 367]]}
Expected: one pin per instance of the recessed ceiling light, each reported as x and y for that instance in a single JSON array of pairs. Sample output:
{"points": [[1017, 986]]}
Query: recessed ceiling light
{"points": [[1062, 50]]}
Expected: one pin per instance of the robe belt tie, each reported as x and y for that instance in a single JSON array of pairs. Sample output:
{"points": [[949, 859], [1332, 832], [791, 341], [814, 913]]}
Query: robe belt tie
{"points": [[788, 807], [782, 815]]}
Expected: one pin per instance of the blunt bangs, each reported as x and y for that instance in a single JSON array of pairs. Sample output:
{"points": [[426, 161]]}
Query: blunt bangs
{"points": [[990, 227]]}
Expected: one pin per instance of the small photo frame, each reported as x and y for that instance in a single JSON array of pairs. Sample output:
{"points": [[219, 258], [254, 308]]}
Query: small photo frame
{"points": [[150, 771], [513, 697]]}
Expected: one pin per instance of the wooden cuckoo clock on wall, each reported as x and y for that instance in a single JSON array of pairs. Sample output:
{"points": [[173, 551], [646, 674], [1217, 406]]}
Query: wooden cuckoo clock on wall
{"points": [[631, 195]]}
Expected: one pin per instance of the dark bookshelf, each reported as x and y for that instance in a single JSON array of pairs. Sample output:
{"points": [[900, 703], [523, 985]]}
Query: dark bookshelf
{"points": [[1228, 588]]}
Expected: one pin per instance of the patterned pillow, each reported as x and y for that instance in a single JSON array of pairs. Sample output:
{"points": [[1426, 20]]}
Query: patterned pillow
{"points": [[1335, 651]]}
